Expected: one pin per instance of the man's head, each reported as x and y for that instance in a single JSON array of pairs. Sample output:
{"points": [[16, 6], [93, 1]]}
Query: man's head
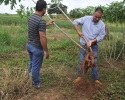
{"points": [[97, 14], [41, 6]]}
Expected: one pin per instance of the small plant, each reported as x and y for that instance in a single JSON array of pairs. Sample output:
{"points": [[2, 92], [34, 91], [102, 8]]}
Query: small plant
{"points": [[114, 91]]}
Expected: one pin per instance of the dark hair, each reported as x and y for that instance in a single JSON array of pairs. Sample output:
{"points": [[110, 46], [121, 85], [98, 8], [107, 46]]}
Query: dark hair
{"points": [[40, 5], [99, 9]]}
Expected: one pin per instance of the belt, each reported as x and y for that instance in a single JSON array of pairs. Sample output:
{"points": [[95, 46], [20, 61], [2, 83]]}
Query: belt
{"points": [[94, 44]]}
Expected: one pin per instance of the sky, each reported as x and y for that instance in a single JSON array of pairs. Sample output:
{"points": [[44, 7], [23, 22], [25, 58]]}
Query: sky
{"points": [[71, 4]]}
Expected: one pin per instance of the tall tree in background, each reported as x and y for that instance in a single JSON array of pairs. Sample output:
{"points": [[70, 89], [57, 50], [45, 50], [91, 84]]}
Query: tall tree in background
{"points": [[115, 12], [76, 13], [53, 9], [80, 12]]}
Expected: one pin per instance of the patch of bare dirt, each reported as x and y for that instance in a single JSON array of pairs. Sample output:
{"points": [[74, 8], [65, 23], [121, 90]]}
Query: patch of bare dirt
{"points": [[88, 88], [51, 95]]}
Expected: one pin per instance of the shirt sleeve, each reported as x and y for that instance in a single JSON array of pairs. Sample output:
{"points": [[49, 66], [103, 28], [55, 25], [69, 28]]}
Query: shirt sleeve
{"points": [[42, 26], [101, 34], [79, 20]]}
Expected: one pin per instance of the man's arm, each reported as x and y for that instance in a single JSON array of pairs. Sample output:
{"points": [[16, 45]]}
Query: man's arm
{"points": [[49, 23], [77, 30], [89, 43], [76, 25], [43, 41], [101, 35], [98, 38]]}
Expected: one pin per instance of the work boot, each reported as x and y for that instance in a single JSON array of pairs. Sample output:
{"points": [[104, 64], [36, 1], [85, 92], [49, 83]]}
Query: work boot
{"points": [[98, 82], [77, 80]]}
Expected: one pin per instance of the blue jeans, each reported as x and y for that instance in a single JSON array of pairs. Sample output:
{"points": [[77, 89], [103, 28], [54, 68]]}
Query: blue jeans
{"points": [[81, 57], [36, 58]]}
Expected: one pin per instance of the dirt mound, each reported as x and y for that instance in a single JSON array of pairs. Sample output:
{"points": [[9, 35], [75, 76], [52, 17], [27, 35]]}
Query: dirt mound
{"points": [[87, 87]]}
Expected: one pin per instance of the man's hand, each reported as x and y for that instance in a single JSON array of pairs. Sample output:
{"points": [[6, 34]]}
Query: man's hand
{"points": [[89, 44], [49, 23], [46, 55]]}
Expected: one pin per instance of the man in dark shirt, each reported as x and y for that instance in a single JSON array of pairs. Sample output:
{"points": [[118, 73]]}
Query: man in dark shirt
{"points": [[37, 42]]}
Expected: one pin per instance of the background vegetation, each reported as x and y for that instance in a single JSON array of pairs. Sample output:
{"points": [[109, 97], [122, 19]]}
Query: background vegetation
{"points": [[59, 71]]}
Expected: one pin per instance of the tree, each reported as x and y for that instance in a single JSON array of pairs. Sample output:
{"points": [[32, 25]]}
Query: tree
{"points": [[115, 12], [22, 12], [55, 10], [88, 10], [11, 2], [27, 11], [76, 13], [80, 12]]}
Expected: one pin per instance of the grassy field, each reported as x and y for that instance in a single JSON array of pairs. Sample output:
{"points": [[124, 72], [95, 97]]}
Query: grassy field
{"points": [[59, 71]]}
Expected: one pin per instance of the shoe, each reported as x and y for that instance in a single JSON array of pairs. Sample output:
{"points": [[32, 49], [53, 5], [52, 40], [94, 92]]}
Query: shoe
{"points": [[77, 80], [98, 82], [39, 86]]}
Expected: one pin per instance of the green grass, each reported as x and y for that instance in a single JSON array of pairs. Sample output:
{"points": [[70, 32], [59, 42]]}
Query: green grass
{"points": [[12, 19]]}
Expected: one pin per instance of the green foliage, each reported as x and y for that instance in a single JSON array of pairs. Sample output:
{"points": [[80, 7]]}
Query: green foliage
{"points": [[68, 57], [88, 10], [115, 12], [114, 91], [119, 46], [56, 1], [64, 24], [20, 42], [12, 38], [11, 2], [79, 12], [5, 38], [22, 12], [11, 44], [76, 13], [12, 19], [114, 84], [53, 9], [5, 42]]}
